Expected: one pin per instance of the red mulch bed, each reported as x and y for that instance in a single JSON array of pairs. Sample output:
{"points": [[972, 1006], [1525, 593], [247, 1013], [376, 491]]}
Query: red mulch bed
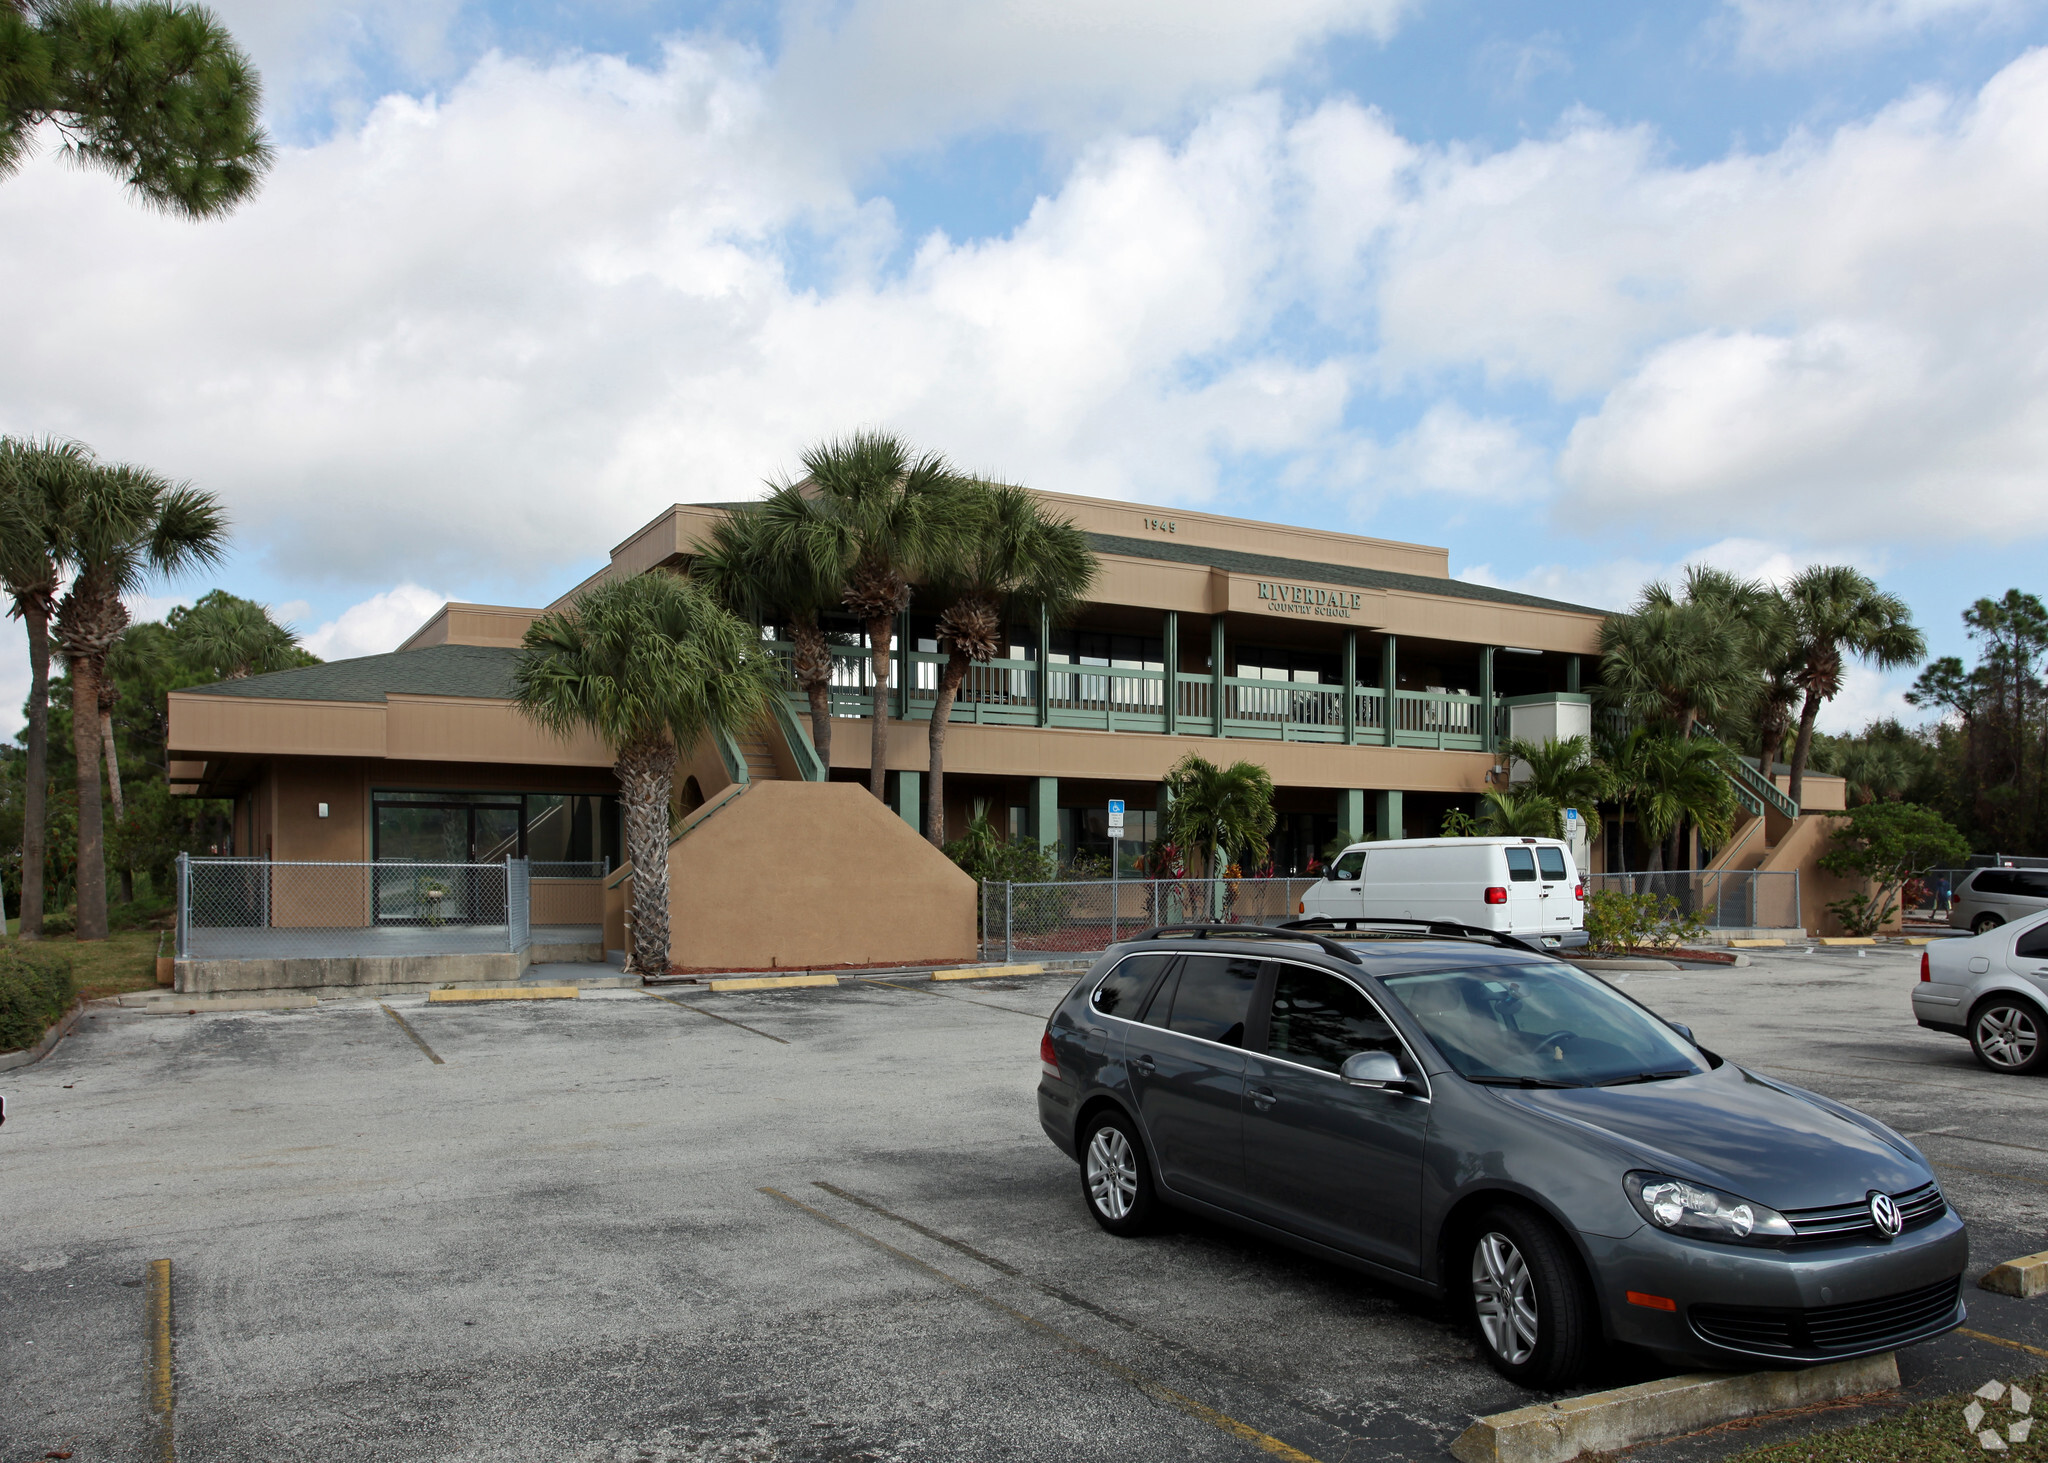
{"points": [[1702, 957]]}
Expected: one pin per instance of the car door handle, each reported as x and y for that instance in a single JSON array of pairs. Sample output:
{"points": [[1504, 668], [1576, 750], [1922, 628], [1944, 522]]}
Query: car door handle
{"points": [[1263, 1098], [1143, 1065]]}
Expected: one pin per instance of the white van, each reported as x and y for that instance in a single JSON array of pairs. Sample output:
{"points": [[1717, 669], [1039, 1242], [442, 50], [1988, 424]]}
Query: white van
{"points": [[1527, 887]]}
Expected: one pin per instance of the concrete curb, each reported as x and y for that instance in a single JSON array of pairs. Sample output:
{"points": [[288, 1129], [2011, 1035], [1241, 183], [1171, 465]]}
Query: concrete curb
{"points": [[169, 1003], [1833, 940], [506, 993], [770, 982], [1553, 1432], [2025, 1277], [61, 1028], [988, 972], [1623, 962]]}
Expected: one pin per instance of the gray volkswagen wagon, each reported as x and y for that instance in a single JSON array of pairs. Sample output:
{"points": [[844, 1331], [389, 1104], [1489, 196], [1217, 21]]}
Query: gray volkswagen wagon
{"points": [[1451, 1110]]}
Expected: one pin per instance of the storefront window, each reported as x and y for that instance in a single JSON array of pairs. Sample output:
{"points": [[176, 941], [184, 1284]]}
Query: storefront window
{"points": [[488, 827]]}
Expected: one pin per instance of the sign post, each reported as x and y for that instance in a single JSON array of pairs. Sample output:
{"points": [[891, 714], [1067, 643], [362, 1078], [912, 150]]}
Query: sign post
{"points": [[1574, 837], [1116, 833]]}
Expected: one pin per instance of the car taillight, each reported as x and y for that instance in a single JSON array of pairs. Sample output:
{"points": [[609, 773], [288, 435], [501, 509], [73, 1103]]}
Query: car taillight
{"points": [[1048, 1059], [1925, 973], [1496, 895], [1301, 906], [1579, 892]]}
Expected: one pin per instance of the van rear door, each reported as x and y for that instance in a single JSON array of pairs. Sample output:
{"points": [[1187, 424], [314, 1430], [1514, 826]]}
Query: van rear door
{"points": [[1525, 893], [1554, 875]]}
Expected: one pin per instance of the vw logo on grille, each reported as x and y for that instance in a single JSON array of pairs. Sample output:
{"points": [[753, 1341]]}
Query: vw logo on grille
{"points": [[1884, 1213]]}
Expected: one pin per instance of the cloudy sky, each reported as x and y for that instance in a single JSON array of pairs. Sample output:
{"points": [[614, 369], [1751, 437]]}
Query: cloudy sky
{"points": [[1582, 290]]}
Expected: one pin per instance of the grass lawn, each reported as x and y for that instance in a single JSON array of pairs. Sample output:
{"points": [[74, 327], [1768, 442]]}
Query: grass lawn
{"points": [[1926, 1432], [124, 961]]}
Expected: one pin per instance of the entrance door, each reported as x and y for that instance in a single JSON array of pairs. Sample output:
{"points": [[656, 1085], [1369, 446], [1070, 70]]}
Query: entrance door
{"points": [[1186, 1064], [1338, 1164], [1525, 894]]}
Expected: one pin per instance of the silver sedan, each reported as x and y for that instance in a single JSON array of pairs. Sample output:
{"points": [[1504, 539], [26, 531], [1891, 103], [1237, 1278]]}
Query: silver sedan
{"points": [[1992, 990]]}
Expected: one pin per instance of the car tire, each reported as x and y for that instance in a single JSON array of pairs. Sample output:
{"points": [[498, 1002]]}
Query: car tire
{"points": [[1984, 924], [1528, 1302], [2009, 1034], [1116, 1177]]}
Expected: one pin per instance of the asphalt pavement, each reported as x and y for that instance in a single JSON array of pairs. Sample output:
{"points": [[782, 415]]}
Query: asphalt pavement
{"points": [[811, 1225]]}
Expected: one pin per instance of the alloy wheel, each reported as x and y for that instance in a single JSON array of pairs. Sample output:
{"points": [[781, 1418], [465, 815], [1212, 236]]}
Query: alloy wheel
{"points": [[1504, 1296], [2007, 1036], [1112, 1172]]}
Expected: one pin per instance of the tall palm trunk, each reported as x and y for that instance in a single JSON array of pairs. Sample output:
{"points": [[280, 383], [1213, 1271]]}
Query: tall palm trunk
{"points": [[646, 770], [878, 751], [950, 678], [1808, 713], [89, 621], [811, 665], [35, 614], [113, 757]]}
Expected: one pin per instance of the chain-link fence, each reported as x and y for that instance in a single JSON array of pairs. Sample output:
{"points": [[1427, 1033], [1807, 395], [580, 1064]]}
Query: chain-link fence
{"points": [[1730, 899], [259, 909], [1081, 917]]}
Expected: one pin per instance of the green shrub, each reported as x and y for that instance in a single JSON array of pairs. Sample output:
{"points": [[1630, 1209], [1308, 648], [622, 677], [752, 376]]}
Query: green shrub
{"points": [[1618, 922], [35, 989]]}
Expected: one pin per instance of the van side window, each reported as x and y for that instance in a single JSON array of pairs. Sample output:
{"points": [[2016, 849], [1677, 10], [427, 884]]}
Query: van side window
{"points": [[1350, 866], [1551, 862], [1521, 866], [1124, 989]]}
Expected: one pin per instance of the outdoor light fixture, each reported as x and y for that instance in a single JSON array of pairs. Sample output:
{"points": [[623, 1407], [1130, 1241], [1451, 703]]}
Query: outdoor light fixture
{"points": [[1518, 650], [323, 810]]}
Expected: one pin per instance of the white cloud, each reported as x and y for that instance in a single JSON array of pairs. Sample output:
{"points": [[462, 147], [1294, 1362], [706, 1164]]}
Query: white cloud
{"points": [[1868, 695], [1783, 32], [379, 624], [1612, 583]]}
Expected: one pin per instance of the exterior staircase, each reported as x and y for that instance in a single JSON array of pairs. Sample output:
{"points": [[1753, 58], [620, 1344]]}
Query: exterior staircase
{"points": [[760, 758], [1771, 814]]}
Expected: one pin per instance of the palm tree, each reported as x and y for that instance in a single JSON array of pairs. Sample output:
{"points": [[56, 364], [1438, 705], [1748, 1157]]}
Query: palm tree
{"points": [[122, 526], [36, 479], [1566, 774], [1837, 612], [1686, 657], [1524, 814], [770, 563], [234, 637], [1015, 554], [155, 92], [651, 664], [1222, 814], [884, 519], [1677, 781]]}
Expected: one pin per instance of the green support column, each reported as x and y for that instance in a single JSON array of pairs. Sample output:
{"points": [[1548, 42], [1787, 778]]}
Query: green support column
{"points": [[1350, 685], [1571, 673], [1045, 810], [908, 799], [1044, 651], [1351, 813], [1387, 814], [1216, 673], [1486, 698], [1387, 682], [1170, 688]]}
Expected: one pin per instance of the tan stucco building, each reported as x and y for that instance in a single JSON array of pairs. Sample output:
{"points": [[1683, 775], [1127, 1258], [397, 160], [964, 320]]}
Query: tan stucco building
{"points": [[1370, 683]]}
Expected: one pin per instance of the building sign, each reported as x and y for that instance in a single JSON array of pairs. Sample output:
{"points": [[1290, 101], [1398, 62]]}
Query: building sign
{"points": [[1308, 599], [1161, 525]]}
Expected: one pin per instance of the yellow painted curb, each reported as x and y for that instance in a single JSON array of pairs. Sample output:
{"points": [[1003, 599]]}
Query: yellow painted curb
{"points": [[770, 982], [1918, 939], [1756, 944], [1844, 940], [1552, 1432], [508, 993], [2025, 1277], [988, 972]]}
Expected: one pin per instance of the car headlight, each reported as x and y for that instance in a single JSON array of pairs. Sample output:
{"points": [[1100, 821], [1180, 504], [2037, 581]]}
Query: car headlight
{"points": [[1684, 1207]]}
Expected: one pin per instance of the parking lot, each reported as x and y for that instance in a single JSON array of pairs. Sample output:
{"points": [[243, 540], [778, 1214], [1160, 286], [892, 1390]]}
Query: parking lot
{"points": [[806, 1225]]}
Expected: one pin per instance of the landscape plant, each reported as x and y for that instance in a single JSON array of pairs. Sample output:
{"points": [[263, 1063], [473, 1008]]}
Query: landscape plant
{"points": [[1617, 922], [650, 664], [36, 987], [1564, 771], [1012, 556], [1837, 613], [1885, 844], [1518, 814]]}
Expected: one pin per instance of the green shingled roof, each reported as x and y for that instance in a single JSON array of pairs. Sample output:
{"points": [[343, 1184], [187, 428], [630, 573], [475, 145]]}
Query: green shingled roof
{"points": [[1303, 569], [436, 670]]}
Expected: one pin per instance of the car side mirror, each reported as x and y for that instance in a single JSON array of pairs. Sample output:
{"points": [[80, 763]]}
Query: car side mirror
{"points": [[1683, 1030], [1376, 1069]]}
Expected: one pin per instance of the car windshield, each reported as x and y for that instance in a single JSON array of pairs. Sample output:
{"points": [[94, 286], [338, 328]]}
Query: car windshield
{"points": [[1541, 1026]]}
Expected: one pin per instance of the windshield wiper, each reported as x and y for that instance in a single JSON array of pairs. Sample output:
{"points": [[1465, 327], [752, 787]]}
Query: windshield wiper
{"points": [[1521, 1082], [1648, 1077]]}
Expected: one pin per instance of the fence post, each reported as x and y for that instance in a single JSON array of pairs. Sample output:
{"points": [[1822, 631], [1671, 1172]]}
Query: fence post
{"points": [[1114, 890], [184, 906], [1798, 915], [1008, 900]]}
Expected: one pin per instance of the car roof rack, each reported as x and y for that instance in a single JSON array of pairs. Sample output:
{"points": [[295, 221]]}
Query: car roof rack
{"points": [[1418, 928], [1243, 932]]}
